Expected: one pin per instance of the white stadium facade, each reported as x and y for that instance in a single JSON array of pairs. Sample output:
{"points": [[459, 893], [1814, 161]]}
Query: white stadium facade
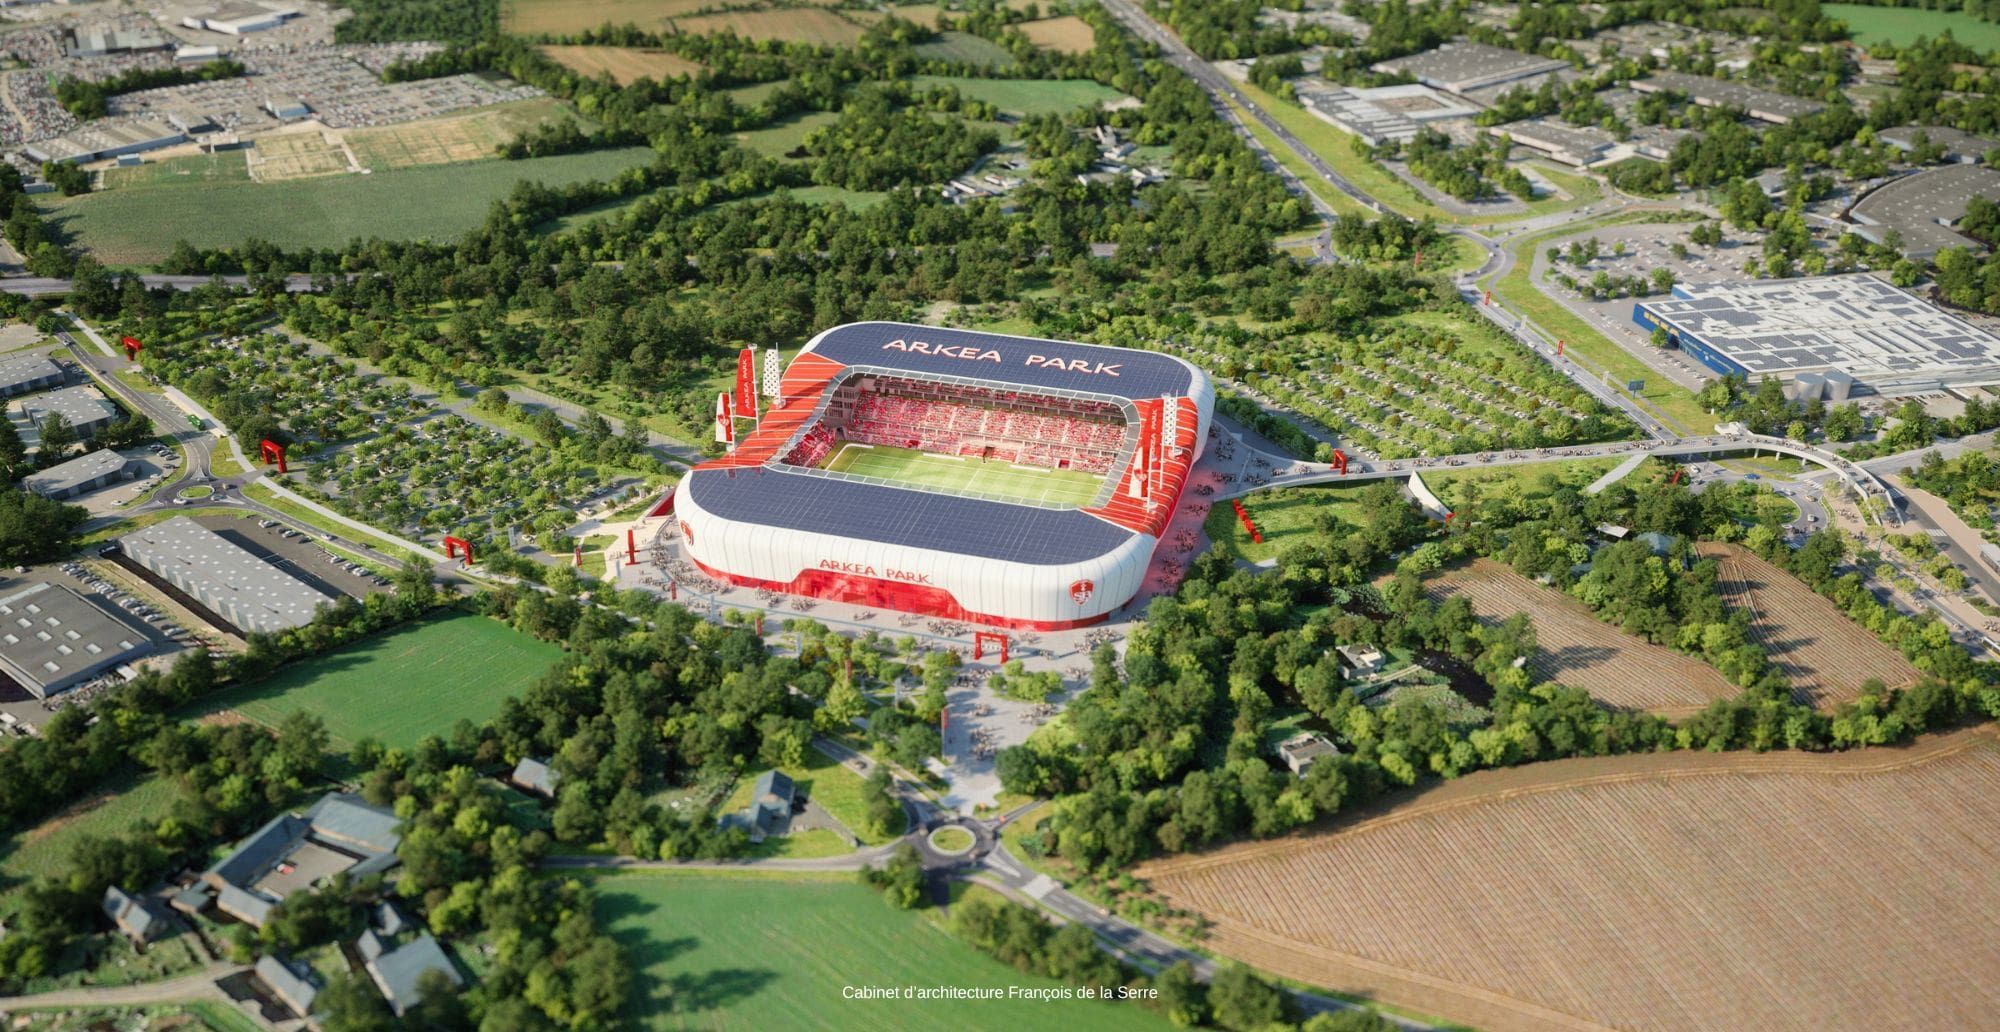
{"points": [[1125, 424]]}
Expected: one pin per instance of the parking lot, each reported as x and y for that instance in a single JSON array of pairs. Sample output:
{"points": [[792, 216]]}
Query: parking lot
{"points": [[152, 465], [1647, 247], [297, 552]]}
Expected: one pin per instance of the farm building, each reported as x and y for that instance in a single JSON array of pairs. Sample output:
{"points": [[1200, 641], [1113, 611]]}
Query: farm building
{"points": [[251, 594], [1881, 336], [25, 374], [294, 983], [298, 852], [770, 809], [52, 639], [84, 406], [398, 970], [534, 776], [137, 918], [80, 475], [1003, 480], [1304, 749]]}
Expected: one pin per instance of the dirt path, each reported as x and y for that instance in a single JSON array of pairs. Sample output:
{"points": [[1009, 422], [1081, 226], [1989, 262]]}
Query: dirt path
{"points": [[198, 986]]}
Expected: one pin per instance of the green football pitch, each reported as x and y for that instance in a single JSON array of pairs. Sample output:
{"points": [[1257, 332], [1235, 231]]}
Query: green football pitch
{"points": [[991, 478]]}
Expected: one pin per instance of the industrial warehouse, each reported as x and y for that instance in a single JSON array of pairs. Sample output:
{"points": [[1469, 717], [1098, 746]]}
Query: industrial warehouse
{"points": [[52, 639], [241, 588], [1836, 329], [1003, 480]]}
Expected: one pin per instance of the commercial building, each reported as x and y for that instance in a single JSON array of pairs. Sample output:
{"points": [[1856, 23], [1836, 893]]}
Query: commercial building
{"points": [[239, 18], [1383, 113], [1776, 108], [84, 406], [1958, 144], [99, 40], [243, 589], [1580, 147], [26, 374], [1118, 429], [299, 852], [81, 475], [107, 138], [53, 639], [1922, 207], [287, 109], [1459, 67], [1856, 325]]}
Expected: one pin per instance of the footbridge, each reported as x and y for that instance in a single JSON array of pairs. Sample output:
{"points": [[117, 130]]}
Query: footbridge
{"points": [[1256, 471]]}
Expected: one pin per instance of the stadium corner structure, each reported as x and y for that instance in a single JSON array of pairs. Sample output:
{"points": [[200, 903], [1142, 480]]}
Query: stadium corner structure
{"points": [[972, 476]]}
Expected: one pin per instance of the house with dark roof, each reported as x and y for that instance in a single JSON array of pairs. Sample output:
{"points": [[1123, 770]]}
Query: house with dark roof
{"points": [[770, 809], [294, 983], [534, 776], [295, 852], [398, 971], [136, 917]]}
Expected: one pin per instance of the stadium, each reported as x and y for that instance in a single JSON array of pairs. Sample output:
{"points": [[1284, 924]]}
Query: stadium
{"points": [[1002, 480]]}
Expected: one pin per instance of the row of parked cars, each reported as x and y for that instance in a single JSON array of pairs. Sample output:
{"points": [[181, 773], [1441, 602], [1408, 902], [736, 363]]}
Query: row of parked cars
{"points": [[136, 606], [344, 563]]}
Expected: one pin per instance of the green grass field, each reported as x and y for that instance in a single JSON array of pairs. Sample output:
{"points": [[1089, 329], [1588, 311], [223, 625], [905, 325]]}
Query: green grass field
{"points": [[138, 225], [779, 138], [44, 849], [768, 953], [1027, 96], [1048, 487], [187, 170], [402, 685], [966, 48], [1900, 25], [830, 785]]}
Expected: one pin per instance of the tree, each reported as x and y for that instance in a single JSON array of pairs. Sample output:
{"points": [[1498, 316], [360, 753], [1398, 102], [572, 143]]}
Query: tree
{"points": [[1245, 1003], [902, 879], [881, 804], [33, 528], [1183, 998], [13, 453], [58, 437]]}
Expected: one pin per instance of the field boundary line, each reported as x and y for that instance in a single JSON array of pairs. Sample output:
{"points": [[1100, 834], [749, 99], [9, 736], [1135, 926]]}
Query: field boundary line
{"points": [[1775, 762]]}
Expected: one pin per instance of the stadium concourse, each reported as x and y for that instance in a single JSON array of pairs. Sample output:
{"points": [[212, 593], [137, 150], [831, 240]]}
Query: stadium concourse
{"points": [[997, 480]]}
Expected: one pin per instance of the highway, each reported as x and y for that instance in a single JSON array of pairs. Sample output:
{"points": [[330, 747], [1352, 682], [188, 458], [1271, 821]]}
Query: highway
{"points": [[44, 286]]}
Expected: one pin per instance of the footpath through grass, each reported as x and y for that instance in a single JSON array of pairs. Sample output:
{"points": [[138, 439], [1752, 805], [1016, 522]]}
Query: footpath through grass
{"points": [[401, 685], [771, 953]]}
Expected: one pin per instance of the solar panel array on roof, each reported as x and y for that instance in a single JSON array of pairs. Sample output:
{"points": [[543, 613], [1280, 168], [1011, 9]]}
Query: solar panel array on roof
{"points": [[1023, 361], [919, 519], [1856, 324]]}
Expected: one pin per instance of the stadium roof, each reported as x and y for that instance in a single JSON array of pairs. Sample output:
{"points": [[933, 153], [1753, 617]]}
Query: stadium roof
{"points": [[905, 516], [999, 359]]}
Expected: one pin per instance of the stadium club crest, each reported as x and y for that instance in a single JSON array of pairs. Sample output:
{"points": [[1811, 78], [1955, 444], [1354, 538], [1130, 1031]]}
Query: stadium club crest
{"points": [[1081, 591], [687, 532]]}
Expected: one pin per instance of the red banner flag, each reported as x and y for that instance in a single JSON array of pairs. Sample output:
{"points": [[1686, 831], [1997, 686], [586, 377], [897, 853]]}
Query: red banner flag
{"points": [[725, 424], [746, 383]]}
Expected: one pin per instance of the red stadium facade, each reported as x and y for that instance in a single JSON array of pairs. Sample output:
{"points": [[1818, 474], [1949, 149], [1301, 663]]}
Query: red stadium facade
{"points": [[769, 516]]}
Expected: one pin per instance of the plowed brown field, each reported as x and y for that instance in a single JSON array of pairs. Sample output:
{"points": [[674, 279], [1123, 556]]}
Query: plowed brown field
{"points": [[1826, 655], [1579, 650], [1671, 891]]}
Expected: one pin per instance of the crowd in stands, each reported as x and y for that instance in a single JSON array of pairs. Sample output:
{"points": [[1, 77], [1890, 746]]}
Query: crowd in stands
{"points": [[1021, 432]]}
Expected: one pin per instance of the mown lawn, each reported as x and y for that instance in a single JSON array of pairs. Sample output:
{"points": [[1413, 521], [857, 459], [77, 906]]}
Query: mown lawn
{"points": [[400, 686], [832, 786], [138, 225], [1900, 25], [777, 953], [1027, 96]]}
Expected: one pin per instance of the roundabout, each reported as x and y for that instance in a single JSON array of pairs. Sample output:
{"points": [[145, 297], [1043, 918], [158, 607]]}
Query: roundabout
{"points": [[951, 841]]}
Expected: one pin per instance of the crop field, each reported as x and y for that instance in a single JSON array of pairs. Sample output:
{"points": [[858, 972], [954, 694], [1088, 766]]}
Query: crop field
{"points": [[438, 141], [793, 24], [139, 226], [925, 15], [1579, 650], [1067, 35], [1028, 96], [569, 17], [627, 65], [301, 155], [775, 953], [1901, 25], [44, 849], [1667, 891], [1826, 655], [399, 686]]}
